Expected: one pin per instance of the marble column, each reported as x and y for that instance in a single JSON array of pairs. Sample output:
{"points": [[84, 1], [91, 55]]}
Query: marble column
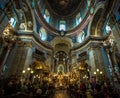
{"points": [[28, 58], [1, 45], [2, 66], [96, 60], [67, 63], [92, 60], [111, 67], [3, 49], [21, 60], [55, 63], [108, 63]]}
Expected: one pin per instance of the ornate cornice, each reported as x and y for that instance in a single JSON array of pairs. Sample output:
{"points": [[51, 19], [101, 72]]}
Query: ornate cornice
{"points": [[25, 44], [30, 35], [88, 40]]}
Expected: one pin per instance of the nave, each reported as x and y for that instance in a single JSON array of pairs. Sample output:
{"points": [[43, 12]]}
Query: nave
{"points": [[59, 48]]}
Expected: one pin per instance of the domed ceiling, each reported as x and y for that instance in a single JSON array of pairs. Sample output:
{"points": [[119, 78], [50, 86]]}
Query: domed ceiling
{"points": [[64, 7]]}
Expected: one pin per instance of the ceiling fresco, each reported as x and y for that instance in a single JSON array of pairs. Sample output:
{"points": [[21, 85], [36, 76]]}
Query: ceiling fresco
{"points": [[64, 7]]}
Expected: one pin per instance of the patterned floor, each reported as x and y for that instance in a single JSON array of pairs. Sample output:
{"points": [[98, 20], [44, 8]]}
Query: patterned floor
{"points": [[61, 94]]}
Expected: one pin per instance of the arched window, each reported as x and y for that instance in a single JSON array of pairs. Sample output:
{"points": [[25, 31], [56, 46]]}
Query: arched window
{"points": [[107, 28], [12, 22], [62, 25], [78, 19], [43, 34], [47, 15], [81, 37]]}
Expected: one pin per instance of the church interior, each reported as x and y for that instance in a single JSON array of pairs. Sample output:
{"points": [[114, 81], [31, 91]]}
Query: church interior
{"points": [[59, 49]]}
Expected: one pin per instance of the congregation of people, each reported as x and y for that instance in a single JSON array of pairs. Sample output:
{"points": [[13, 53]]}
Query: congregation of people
{"points": [[96, 89], [12, 87]]}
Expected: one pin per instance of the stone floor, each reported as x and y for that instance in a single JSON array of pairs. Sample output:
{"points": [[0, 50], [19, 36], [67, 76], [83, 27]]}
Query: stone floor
{"points": [[61, 94]]}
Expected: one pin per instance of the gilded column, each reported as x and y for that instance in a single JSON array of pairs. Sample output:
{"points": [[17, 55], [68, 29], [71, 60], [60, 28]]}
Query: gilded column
{"points": [[54, 64]]}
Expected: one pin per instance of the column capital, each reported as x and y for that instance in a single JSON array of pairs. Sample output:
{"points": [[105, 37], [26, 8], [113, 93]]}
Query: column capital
{"points": [[25, 44], [94, 46]]}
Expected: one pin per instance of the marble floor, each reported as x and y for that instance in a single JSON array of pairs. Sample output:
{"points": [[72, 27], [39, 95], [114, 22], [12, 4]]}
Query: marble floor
{"points": [[61, 94]]}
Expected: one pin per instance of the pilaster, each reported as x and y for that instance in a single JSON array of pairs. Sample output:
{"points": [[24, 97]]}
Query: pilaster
{"points": [[96, 60], [116, 30], [3, 65], [22, 59]]}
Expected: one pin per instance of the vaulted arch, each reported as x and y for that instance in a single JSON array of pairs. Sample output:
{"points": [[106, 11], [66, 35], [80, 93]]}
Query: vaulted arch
{"points": [[95, 19]]}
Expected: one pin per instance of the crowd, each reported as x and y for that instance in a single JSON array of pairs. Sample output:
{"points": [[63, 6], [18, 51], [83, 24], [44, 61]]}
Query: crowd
{"points": [[13, 86], [99, 89]]}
